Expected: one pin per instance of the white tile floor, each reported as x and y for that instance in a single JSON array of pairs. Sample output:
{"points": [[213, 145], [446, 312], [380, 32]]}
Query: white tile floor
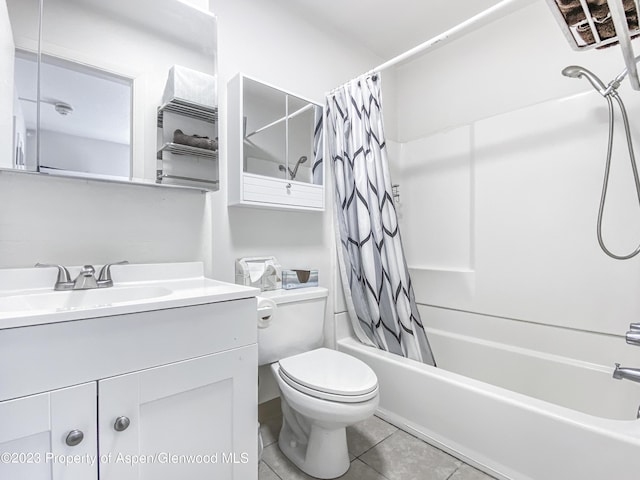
{"points": [[378, 451]]}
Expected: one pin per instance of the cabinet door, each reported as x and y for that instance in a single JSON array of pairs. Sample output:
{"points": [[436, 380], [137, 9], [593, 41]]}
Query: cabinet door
{"points": [[193, 420], [35, 430]]}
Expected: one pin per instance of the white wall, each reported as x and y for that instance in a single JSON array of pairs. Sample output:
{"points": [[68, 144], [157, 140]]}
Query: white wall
{"points": [[501, 170], [75, 222], [510, 63]]}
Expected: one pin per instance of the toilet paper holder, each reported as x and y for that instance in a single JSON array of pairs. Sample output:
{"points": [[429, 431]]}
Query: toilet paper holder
{"points": [[266, 311]]}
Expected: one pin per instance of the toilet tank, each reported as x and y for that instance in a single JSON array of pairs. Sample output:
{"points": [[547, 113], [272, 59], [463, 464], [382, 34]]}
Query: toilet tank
{"points": [[296, 325]]}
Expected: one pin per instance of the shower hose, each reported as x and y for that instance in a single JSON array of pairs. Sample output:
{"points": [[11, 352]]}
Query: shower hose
{"points": [[607, 170]]}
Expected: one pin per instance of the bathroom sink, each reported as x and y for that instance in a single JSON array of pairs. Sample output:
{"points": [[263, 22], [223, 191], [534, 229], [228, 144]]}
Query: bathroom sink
{"points": [[27, 296], [79, 299]]}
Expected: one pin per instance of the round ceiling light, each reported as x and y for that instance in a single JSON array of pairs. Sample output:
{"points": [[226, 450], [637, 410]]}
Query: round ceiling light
{"points": [[63, 108]]}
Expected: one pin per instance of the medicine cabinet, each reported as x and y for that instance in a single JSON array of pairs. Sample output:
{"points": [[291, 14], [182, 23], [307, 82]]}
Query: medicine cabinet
{"points": [[275, 144]]}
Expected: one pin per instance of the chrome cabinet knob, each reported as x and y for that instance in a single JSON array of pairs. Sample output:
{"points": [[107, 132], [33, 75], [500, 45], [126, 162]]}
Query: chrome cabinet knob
{"points": [[121, 424], [74, 438]]}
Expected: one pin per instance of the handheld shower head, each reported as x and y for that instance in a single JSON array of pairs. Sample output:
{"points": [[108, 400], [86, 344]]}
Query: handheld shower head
{"points": [[575, 71], [294, 172], [300, 161]]}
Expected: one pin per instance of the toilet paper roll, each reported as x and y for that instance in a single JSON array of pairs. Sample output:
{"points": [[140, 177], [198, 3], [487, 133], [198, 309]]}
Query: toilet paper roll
{"points": [[266, 311]]}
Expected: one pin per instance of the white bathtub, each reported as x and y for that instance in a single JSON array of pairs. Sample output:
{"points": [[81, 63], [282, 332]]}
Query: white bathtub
{"points": [[582, 426]]}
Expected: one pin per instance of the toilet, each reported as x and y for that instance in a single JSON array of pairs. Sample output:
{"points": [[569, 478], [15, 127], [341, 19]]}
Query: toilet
{"points": [[323, 391]]}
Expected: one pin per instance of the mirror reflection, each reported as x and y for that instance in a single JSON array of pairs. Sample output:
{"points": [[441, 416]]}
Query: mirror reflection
{"points": [[85, 118], [281, 139], [103, 71]]}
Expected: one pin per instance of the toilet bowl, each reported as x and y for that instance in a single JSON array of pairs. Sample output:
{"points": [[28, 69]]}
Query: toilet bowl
{"points": [[323, 391]]}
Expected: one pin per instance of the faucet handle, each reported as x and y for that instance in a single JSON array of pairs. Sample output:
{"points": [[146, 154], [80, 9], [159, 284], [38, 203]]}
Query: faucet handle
{"points": [[104, 277], [63, 281], [87, 271], [633, 337], [634, 327]]}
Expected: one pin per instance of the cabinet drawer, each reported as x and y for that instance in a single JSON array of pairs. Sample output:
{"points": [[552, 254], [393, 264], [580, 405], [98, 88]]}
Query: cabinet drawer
{"points": [[46, 357], [267, 190]]}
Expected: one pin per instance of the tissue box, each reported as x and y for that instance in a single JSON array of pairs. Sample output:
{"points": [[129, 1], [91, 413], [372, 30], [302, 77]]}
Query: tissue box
{"points": [[299, 279], [261, 272], [191, 86]]}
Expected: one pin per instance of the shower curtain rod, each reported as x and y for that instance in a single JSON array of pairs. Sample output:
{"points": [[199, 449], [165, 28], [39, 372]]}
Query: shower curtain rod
{"points": [[477, 21]]}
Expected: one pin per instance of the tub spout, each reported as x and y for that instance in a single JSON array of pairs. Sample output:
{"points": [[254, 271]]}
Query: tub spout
{"points": [[621, 373]]}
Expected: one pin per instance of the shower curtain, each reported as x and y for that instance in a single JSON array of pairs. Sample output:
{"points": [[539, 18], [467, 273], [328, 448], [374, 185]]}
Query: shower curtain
{"points": [[375, 277]]}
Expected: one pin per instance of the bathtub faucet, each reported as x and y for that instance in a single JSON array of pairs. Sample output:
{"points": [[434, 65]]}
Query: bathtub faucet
{"points": [[621, 373], [633, 335]]}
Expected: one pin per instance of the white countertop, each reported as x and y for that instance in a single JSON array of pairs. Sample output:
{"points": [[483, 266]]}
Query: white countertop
{"points": [[27, 295]]}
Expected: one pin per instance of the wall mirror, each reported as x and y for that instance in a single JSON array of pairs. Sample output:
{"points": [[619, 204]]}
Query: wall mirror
{"points": [[89, 78], [280, 134]]}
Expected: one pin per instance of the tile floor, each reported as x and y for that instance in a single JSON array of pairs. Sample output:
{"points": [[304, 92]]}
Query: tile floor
{"points": [[378, 451]]}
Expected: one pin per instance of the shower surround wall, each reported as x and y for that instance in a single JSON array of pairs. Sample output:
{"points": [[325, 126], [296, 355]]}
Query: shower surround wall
{"points": [[500, 171], [499, 218]]}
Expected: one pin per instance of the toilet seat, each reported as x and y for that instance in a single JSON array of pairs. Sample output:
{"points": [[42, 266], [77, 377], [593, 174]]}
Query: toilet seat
{"points": [[330, 375]]}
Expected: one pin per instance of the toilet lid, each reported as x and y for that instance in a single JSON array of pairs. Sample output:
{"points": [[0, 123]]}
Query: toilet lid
{"points": [[330, 372]]}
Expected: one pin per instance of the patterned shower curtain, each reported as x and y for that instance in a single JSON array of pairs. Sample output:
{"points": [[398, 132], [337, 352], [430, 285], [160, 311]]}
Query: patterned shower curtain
{"points": [[375, 276]]}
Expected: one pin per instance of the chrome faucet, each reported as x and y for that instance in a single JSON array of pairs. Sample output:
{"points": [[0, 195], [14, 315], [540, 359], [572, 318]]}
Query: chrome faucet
{"points": [[633, 338], [621, 373], [85, 280]]}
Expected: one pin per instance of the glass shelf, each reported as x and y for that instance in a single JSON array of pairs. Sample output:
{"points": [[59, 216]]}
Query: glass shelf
{"points": [[188, 109], [179, 149]]}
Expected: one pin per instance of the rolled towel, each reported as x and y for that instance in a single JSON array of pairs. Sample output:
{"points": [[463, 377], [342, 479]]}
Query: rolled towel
{"points": [[605, 29], [573, 13], [194, 140]]}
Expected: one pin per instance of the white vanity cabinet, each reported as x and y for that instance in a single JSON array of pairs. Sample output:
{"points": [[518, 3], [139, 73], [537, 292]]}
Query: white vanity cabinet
{"points": [[35, 430], [275, 148], [186, 420], [160, 395]]}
